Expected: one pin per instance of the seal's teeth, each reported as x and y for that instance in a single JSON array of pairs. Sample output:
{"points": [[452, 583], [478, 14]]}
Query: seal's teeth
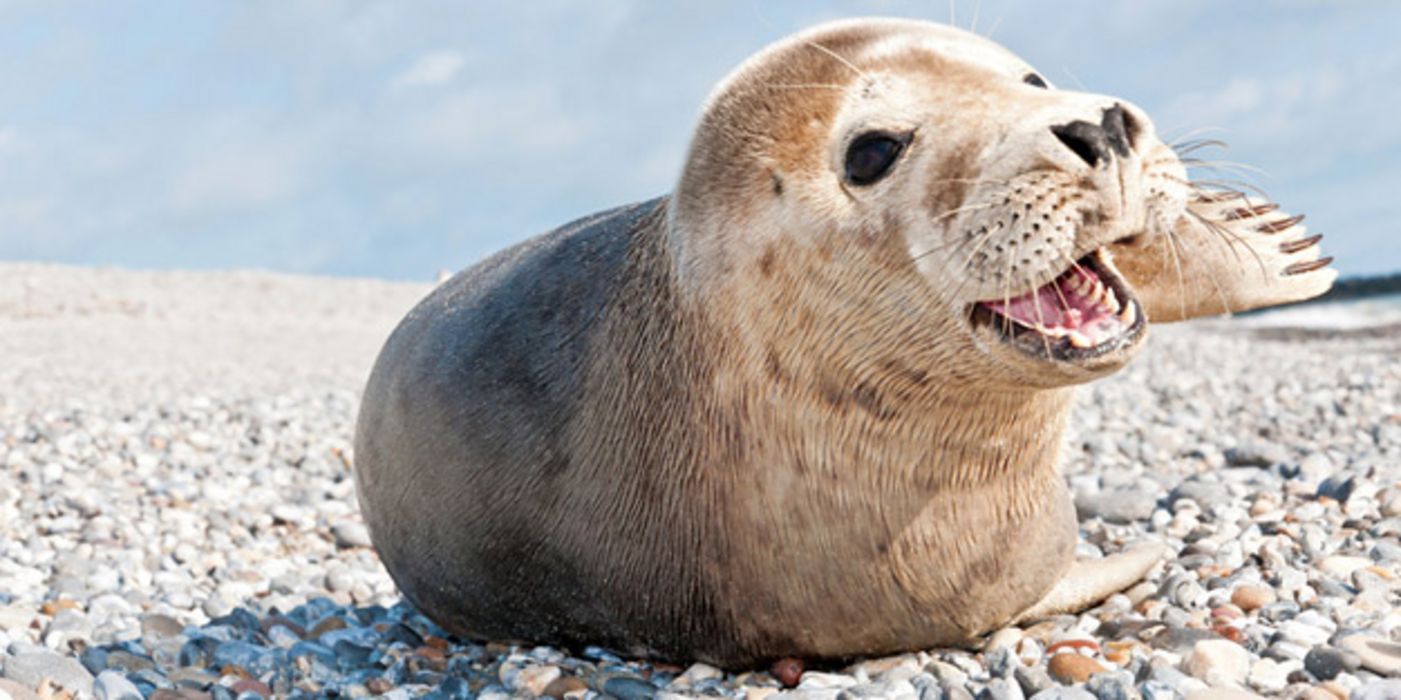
{"points": [[1080, 340], [1129, 315], [1074, 284], [1111, 302]]}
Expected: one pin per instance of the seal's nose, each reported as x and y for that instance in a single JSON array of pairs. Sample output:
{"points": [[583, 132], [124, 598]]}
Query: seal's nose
{"points": [[1098, 143]]}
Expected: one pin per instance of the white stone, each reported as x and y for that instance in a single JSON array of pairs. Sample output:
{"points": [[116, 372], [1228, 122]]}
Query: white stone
{"points": [[1218, 662]]}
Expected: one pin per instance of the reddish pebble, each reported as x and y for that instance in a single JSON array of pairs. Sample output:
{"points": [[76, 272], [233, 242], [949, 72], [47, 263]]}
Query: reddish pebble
{"points": [[564, 684], [788, 671], [1069, 667], [1249, 598], [429, 652], [1225, 612], [242, 686], [378, 686]]}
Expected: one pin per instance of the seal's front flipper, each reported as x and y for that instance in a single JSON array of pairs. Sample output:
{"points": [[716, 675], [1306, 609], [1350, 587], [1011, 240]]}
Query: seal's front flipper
{"points": [[1091, 580], [1227, 253]]}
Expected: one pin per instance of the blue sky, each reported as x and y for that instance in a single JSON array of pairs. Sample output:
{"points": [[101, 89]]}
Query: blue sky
{"points": [[395, 139]]}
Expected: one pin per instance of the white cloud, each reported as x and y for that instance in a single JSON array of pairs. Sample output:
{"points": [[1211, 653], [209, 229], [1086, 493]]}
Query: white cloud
{"points": [[433, 68]]}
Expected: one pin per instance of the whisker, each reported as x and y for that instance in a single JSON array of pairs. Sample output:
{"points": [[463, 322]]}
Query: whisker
{"points": [[1228, 165], [1184, 148], [804, 86], [993, 29], [836, 56], [1181, 278], [1228, 235], [1193, 133], [1074, 79], [971, 181]]}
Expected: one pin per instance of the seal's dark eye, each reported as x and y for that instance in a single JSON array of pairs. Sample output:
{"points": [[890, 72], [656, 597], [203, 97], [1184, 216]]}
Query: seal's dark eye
{"points": [[1034, 80], [870, 156]]}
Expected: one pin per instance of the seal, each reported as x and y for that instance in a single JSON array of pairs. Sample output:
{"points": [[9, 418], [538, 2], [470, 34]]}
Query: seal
{"points": [[809, 404]]}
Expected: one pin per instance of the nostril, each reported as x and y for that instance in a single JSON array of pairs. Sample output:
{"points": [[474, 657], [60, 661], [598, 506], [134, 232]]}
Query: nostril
{"points": [[1086, 140], [1121, 129]]}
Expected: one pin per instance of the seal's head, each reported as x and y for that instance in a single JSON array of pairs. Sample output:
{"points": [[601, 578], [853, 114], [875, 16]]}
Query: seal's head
{"points": [[985, 199]]}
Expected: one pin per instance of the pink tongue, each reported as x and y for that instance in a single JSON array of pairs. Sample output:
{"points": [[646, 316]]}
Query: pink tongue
{"points": [[1055, 304]]}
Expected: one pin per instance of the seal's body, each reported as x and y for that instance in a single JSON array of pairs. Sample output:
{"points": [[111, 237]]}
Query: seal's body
{"points": [[810, 404]]}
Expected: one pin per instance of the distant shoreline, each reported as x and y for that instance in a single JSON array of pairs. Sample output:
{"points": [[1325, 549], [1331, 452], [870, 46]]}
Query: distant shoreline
{"points": [[1352, 288]]}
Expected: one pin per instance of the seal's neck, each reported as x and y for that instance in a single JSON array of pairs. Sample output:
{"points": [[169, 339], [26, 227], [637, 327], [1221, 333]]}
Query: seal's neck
{"points": [[770, 368]]}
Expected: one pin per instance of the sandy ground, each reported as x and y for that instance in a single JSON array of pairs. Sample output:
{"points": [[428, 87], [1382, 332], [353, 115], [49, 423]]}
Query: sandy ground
{"points": [[75, 335]]}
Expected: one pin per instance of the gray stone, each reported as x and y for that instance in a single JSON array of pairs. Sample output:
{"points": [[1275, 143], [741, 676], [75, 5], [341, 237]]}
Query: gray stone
{"points": [[1121, 506], [155, 627], [1158, 690], [1001, 689], [30, 667], [1325, 663], [1256, 454], [350, 534], [1377, 690], [1064, 693], [1376, 655], [956, 692], [901, 690], [112, 685], [1001, 662], [625, 688], [1033, 679], [1338, 487], [1112, 685], [1384, 551], [1205, 494]]}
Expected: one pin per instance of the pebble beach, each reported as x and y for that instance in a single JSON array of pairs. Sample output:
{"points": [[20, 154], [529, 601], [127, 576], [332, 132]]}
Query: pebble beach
{"points": [[178, 516]]}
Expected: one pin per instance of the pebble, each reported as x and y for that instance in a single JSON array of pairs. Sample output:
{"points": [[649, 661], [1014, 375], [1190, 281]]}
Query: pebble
{"points": [[1222, 694], [1338, 488], [1376, 655], [1378, 690], [1064, 693], [1256, 454], [1073, 668], [1325, 663], [350, 534], [1032, 679], [1271, 676], [535, 679], [30, 667], [1249, 598], [625, 688], [1218, 662], [1120, 506], [996, 689], [112, 685], [698, 672], [1342, 567], [1112, 685]]}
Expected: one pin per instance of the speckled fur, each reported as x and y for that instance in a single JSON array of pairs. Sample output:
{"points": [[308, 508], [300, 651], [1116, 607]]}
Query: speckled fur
{"points": [[752, 420]]}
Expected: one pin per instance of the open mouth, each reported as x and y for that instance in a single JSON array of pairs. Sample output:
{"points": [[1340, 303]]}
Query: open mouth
{"points": [[1086, 312]]}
